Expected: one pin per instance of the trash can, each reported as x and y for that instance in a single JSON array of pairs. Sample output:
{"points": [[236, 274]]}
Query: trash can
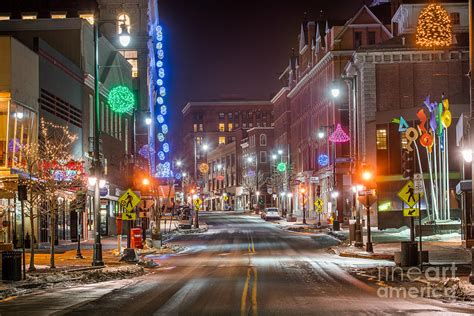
{"points": [[352, 230], [11, 265], [409, 254], [136, 238]]}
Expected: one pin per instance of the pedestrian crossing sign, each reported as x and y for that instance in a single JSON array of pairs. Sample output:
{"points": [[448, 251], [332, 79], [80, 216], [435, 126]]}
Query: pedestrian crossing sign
{"points": [[407, 194], [197, 203], [129, 200], [318, 204]]}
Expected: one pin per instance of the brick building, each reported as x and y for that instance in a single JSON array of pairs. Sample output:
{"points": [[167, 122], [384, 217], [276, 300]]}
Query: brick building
{"points": [[392, 79], [215, 123], [304, 107]]}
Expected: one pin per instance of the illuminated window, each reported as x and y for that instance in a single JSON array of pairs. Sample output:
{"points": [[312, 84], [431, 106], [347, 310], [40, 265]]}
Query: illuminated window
{"points": [[199, 140], [195, 128], [221, 127], [132, 57], [121, 19], [89, 17], [201, 129], [381, 139], [28, 16], [58, 15], [404, 141], [229, 127], [221, 115], [4, 17], [221, 140], [229, 115]]}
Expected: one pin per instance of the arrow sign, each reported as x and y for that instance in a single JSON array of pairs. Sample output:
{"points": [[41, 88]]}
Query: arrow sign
{"points": [[411, 212]]}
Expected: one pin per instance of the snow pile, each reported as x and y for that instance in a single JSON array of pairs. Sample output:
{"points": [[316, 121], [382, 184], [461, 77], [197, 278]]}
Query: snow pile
{"points": [[454, 289], [69, 278]]}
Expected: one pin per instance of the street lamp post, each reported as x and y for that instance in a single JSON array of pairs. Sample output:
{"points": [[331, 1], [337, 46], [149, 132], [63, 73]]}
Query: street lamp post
{"points": [[302, 191], [97, 167]]}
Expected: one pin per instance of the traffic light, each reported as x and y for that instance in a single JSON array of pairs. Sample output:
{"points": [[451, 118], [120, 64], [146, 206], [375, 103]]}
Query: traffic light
{"points": [[408, 166]]}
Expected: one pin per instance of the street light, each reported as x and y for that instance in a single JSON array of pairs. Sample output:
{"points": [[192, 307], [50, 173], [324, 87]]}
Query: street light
{"points": [[205, 147], [124, 36], [148, 121], [274, 157], [179, 164], [280, 152], [335, 194], [303, 191], [321, 134], [467, 155], [146, 181], [97, 166]]}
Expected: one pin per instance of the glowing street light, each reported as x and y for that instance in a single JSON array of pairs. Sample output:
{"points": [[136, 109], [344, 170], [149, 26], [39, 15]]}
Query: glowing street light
{"points": [[148, 121], [467, 155], [274, 157], [179, 163], [146, 181], [321, 134], [335, 92], [280, 152], [124, 36], [205, 147], [92, 181]]}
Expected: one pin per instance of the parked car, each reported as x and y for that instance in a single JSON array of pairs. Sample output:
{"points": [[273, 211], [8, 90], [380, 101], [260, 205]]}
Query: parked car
{"points": [[270, 213]]}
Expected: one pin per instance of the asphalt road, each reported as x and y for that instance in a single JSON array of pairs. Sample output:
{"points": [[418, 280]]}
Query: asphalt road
{"points": [[241, 266]]}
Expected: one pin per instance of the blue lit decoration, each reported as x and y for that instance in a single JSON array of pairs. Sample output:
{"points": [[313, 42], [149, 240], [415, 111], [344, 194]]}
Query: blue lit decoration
{"points": [[178, 175], [323, 160], [158, 93]]}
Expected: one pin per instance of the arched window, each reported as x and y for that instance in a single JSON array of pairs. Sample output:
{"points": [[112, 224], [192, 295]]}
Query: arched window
{"points": [[123, 18], [263, 140]]}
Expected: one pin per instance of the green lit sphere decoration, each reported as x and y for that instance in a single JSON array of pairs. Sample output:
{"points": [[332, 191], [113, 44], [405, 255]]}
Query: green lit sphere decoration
{"points": [[281, 167], [121, 99]]}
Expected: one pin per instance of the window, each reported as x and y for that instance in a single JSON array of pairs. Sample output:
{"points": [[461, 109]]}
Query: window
{"points": [[132, 57], [123, 19], [236, 125], [229, 127], [89, 17], [236, 115], [250, 125], [198, 140], [259, 115], [195, 128], [221, 140], [381, 139], [357, 39], [229, 115], [201, 129], [250, 115], [28, 16], [263, 157], [263, 140], [91, 116], [4, 17], [221, 127], [221, 115], [58, 15], [454, 16], [371, 38], [244, 125], [404, 141], [258, 124]]}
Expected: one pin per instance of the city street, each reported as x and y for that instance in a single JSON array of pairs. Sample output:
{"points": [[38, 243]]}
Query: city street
{"points": [[242, 265]]}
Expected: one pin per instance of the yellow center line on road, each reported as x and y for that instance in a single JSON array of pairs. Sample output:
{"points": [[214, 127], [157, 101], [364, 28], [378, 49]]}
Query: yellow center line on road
{"points": [[250, 271]]}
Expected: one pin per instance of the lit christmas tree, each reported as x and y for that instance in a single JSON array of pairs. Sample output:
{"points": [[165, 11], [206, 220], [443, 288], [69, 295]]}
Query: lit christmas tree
{"points": [[434, 27]]}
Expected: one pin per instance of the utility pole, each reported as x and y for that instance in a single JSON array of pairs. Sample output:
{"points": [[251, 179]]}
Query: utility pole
{"points": [[471, 108]]}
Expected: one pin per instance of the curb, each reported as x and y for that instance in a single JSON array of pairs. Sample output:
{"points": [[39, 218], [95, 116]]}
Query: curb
{"points": [[368, 256]]}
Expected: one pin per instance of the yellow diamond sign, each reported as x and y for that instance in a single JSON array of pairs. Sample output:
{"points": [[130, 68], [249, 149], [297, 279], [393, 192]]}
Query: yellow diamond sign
{"points": [[129, 200], [318, 203], [407, 194]]}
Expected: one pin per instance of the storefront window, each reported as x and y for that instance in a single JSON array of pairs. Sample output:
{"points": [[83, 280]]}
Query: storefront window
{"points": [[18, 127]]}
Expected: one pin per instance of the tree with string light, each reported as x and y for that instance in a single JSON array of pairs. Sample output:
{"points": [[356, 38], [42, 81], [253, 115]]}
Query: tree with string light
{"points": [[52, 172], [434, 28]]}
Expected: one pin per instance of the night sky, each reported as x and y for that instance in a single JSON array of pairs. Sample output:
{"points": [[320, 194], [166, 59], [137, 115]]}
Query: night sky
{"points": [[231, 49]]}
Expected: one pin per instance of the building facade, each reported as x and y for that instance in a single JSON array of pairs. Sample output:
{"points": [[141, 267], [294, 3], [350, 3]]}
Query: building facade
{"points": [[393, 79], [308, 116]]}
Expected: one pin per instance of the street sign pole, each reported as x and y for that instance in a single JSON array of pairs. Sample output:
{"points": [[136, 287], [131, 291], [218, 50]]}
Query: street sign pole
{"points": [[420, 232], [369, 247]]}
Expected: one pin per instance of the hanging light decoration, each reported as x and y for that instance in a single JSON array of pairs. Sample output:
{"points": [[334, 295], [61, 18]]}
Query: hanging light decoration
{"points": [[121, 100], [281, 167], [323, 160], [434, 28], [339, 136]]}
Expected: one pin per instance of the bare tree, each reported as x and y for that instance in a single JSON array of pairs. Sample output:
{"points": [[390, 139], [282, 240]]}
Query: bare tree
{"points": [[252, 183], [55, 173]]}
